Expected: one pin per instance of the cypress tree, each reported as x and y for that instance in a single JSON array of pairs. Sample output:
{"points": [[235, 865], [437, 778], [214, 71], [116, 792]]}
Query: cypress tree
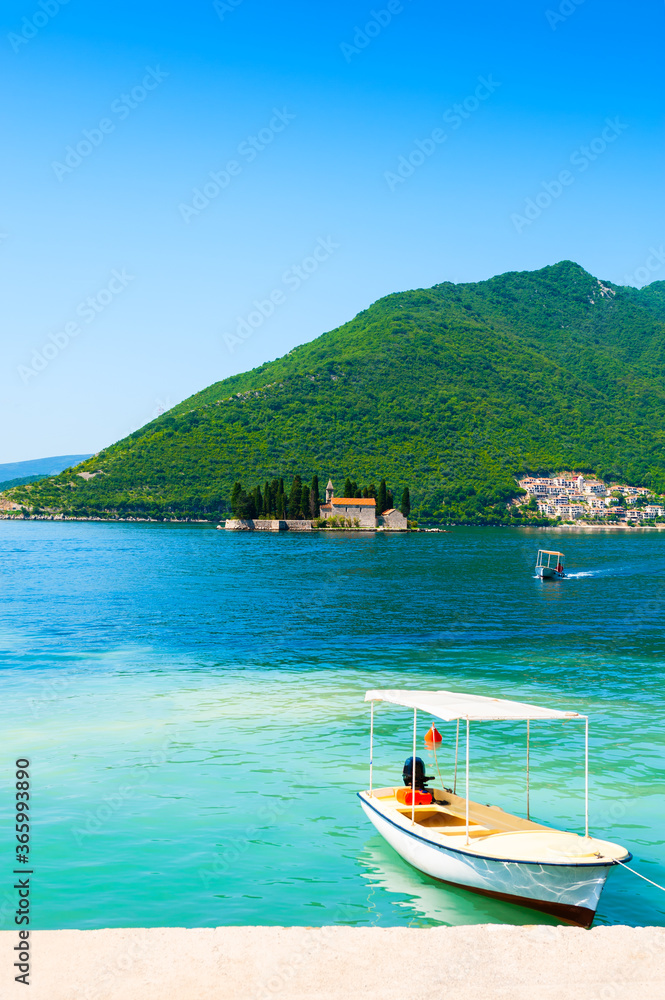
{"points": [[258, 501], [295, 497], [280, 506], [314, 501], [381, 500], [245, 507], [274, 490], [304, 501], [348, 487], [267, 509], [405, 505], [235, 494]]}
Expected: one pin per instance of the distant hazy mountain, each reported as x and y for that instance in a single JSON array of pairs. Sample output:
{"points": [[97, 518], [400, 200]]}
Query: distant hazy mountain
{"points": [[452, 390], [39, 467]]}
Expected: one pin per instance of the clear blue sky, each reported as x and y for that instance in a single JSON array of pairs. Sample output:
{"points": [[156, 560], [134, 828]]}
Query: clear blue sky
{"points": [[182, 88]]}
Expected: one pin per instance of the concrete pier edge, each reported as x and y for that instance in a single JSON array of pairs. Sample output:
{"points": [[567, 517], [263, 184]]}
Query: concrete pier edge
{"points": [[488, 961]]}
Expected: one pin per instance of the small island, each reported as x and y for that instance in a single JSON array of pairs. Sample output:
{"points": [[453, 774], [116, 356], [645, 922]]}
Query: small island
{"points": [[356, 511]]}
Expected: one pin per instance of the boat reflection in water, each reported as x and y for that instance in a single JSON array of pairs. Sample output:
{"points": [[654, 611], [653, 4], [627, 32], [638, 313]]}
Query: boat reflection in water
{"points": [[429, 901]]}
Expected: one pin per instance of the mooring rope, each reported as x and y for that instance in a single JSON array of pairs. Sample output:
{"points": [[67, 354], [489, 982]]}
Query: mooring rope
{"points": [[640, 875]]}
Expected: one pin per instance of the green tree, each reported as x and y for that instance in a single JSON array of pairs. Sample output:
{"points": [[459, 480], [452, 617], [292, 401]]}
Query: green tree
{"points": [[295, 497], [274, 490], [348, 487], [235, 493], [381, 500], [314, 500], [304, 501], [405, 505], [245, 506], [280, 499]]}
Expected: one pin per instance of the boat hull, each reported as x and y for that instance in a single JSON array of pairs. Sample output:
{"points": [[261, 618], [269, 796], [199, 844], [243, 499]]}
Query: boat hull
{"points": [[547, 573], [568, 891]]}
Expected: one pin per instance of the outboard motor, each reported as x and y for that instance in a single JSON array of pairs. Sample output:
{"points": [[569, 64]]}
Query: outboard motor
{"points": [[421, 777]]}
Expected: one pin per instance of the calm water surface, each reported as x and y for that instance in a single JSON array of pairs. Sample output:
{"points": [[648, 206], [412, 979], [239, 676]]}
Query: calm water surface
{"points": [[192, 703]]}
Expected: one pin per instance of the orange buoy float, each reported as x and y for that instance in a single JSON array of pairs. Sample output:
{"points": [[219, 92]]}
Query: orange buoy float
{"points": [[433, 736], [406, 797]]}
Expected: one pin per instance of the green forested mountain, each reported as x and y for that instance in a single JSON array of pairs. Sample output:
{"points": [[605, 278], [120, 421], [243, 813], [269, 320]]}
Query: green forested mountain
{"points": [[451, 390], [19, 481]]}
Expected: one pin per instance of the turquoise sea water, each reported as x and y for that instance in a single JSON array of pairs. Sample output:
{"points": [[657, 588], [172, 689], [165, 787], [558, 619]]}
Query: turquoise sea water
{"points": [[192, 704]]}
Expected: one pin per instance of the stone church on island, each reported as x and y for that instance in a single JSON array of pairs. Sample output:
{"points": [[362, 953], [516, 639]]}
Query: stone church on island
{"points": [[363, 509]]}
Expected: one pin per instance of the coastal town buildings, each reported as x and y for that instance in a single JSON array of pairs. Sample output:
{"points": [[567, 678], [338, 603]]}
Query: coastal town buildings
{"points": [[573, 497]]}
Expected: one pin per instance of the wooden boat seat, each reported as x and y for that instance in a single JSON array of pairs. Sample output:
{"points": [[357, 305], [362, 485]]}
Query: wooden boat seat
{"points": [[447, 823], [442, 820]]}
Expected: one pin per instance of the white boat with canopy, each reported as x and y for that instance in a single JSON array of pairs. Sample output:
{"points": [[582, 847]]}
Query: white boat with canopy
{"points": [[481, 847], [550, 565]]}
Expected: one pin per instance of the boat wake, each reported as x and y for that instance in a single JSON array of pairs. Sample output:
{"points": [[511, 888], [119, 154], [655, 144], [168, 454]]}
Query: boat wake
{"points": [[571, 576]]}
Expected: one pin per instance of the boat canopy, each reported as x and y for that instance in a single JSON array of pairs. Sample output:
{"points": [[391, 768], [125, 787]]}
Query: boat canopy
{"points": [[451, 705]]}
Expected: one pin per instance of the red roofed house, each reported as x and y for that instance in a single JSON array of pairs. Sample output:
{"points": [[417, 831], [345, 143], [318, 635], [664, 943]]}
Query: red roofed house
{"points": [[353, 507], [393, 520]]}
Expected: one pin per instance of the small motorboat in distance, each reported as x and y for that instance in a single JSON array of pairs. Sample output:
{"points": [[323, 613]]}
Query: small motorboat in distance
{"points": [[480, 847], [550, 565]]}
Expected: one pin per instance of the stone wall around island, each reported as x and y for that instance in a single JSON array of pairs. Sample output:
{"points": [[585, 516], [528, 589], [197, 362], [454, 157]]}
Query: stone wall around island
{"points": [[251, 524]]}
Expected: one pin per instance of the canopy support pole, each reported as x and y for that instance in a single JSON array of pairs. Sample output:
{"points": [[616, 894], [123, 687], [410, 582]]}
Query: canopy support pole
{"points": [[456, 749], [527, 769], [371, 746], [467, 779], [586, 777], [413, 771]]}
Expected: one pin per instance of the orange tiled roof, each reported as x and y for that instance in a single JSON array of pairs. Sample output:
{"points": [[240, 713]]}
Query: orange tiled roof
{"points": [[354, 501]]}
